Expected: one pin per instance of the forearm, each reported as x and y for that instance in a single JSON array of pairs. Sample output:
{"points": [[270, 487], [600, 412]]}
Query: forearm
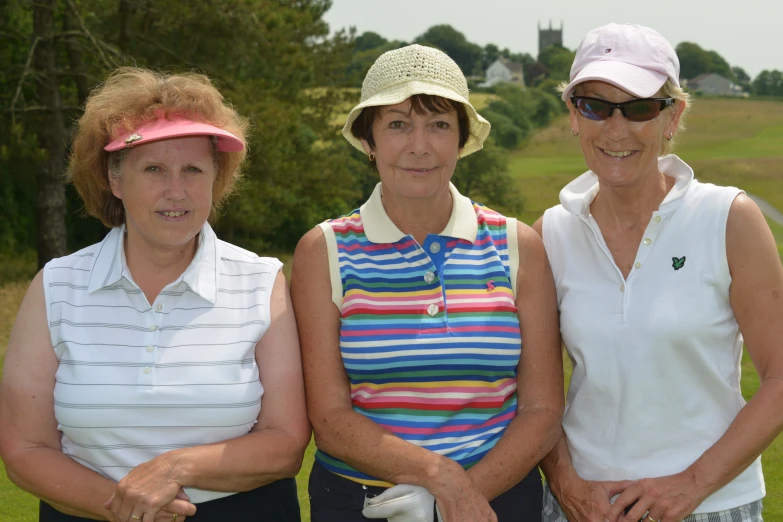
{"points": [[60, 481], [373, 450], [556, 465], [239, 464], [751, 432], [527, 439]]}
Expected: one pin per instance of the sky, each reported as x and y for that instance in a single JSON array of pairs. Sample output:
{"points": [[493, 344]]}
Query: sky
{"points": [[747, 33]]}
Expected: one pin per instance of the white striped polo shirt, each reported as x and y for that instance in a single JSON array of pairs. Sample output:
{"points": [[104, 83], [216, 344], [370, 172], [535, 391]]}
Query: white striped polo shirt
{"points": [[656, 356], [138, 379]]}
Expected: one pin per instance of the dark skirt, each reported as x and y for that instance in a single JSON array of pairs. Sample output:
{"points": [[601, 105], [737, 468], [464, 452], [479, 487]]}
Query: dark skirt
{"points": [[336, 499], [275, 502]]}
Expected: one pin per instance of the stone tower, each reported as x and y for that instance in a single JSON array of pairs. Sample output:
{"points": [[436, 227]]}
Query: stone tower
{"points": [[547, 37]]}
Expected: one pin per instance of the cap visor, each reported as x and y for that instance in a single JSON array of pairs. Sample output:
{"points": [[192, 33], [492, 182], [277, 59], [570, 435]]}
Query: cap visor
{"points": [[169, 129], [642, 83]]}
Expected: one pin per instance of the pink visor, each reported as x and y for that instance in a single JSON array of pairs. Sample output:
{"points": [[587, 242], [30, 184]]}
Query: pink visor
{"points": [[163, 129]]}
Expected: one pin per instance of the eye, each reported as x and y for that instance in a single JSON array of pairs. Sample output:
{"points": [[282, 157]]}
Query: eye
{"points": [[152, 168], [442, 125], [396, 124], [191, 168]]}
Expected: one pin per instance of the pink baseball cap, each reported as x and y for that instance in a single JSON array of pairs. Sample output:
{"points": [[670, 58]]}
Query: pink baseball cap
{"points": [[633, 58], [175, 127]]}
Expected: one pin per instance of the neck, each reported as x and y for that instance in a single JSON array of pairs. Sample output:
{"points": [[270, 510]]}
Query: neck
{"points": [[629, 206], [421, 216], [154, 266]]}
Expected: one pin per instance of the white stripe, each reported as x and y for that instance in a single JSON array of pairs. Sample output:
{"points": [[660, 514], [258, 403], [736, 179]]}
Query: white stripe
{"points": [[437, 351]]}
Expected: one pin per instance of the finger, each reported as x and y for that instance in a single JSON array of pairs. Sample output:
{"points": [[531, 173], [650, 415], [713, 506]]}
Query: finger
{"points": [[107, 504], [181, 507], [615, 487], [639, 510], [182, 495], [626, 498]]}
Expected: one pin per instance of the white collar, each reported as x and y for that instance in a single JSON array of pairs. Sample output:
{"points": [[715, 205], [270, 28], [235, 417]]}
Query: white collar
{"points": [[379, 228], [201, 275], [577, 196]]}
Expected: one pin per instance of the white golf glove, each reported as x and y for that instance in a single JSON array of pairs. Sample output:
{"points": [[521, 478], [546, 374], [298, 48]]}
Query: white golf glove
{"points": [[402, 503]]}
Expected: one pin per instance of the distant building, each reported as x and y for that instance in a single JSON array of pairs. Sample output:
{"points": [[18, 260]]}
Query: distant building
{"points": [[547, 37], [715, 85], [503, 70]]}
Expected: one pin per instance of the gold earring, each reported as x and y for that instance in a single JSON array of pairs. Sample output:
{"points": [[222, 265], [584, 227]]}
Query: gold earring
{"points": [[574, 133], [671, 136], [371, 156]]}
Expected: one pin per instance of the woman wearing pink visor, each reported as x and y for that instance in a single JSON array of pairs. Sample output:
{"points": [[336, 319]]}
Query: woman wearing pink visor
{"points": [[155, 376], [660, 278]]}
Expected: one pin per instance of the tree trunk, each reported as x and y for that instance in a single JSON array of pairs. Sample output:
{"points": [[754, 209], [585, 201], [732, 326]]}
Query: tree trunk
{"points": [[75, 59], [52, 137]]}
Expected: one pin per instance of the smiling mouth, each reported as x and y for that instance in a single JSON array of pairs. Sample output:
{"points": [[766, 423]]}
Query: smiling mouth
{"points": [[419, 171], [173, 213], [618, 153]]}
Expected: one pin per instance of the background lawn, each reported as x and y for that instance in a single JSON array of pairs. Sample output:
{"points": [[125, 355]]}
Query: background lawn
{"points": [[729, 142]]}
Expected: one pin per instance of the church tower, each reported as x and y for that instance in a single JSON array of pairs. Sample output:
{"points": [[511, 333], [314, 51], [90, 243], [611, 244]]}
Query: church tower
{"points": [[547, 37]]}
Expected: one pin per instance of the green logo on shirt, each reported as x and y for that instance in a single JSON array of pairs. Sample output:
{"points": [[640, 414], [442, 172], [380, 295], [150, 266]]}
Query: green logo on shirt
{"points": [[678, 263]]}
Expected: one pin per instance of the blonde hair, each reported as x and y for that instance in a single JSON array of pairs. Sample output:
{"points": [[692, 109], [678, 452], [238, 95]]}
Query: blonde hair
{"points": [[669, 90], [129, 98]]}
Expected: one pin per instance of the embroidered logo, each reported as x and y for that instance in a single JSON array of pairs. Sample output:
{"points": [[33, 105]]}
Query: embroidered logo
{"points": [[490, 285], [678, 263]]}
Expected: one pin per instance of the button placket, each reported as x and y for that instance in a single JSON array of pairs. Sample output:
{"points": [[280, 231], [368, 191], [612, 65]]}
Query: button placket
{"points": [[432, 248]]}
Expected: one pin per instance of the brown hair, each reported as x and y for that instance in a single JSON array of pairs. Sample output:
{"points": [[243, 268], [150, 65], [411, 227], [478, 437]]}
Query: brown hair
{"points": [[129, 98], [421, 104]]}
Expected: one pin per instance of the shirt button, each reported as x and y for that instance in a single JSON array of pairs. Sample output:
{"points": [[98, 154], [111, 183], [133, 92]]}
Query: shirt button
{"points": [[638, 265], [159, 307], [647, 241], [147, 370], [622, 288], [150, 348], [434, 248], [429, 277], [657, 219], [432, 310], [153, 328]]}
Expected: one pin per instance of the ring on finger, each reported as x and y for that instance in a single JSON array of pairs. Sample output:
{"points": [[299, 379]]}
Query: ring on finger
{"points": [[174, 517], [134, 517], [651, 518]]}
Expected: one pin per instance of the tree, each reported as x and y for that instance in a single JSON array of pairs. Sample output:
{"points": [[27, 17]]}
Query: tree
{"points": [[483, 176], [453, 43], [369, 40], [695, 61], [742, 78], [768, 83], [557, 60]]}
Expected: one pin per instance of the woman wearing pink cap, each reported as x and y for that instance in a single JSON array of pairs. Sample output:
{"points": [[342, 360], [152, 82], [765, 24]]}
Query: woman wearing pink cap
{"points": [[155, 376], [659, 279]]}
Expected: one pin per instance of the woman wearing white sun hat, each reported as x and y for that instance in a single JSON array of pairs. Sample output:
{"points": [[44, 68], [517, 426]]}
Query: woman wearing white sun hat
{"points": [[409, 312], [659, 280]]}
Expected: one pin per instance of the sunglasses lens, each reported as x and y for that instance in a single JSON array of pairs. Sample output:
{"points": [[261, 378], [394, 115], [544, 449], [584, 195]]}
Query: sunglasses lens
{"points": [[642, 110], [593, 109]]}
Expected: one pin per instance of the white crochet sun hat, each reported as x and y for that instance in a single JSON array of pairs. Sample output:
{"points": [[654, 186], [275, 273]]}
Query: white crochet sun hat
{"points": [[397, 75]]}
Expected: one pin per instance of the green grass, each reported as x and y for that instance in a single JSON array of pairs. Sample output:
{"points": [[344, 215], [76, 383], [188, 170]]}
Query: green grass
{"points": [[729, 142]]}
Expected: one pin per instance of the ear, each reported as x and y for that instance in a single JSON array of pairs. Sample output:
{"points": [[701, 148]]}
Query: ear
{"points": [[677, 109], [573, 117], [114, 183], [366, 146]]}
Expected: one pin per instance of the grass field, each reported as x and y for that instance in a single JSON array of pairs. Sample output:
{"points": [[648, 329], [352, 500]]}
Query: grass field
{"points": [[729, 142]]}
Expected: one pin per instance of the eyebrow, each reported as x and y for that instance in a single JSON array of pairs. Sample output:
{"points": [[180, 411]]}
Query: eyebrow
{"points": [[400, 111]]}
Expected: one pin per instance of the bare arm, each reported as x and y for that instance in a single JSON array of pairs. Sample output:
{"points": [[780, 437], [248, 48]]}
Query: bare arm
{"points": [[340, 431], [536, 428], [271, 451], [757, 301]]}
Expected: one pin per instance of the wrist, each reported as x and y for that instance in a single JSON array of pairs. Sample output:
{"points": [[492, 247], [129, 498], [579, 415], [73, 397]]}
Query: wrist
{"points": [[441, 472], [701, 479], [563, 478], [180, 467]]}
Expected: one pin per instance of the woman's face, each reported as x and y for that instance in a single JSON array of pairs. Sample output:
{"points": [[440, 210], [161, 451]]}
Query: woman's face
{"points": [[415, 153], [166, 189], [619, 151]]}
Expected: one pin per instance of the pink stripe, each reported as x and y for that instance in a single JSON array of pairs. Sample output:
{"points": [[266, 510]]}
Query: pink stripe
{"points": [[375, 299], [503, 387], [449, 429], [429, 331]]}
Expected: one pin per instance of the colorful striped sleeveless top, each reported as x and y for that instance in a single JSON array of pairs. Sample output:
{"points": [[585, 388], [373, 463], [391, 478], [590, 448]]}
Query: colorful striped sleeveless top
{"points": [[429, 333]]}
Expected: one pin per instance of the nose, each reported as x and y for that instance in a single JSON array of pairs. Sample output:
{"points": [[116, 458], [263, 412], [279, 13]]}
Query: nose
{"points": [[616, 126], [175, 186], [419, 140]]}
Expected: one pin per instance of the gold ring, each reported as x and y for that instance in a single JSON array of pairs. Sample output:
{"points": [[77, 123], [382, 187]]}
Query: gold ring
{"points": [[174, 517], [651, 518], [134, 517]]}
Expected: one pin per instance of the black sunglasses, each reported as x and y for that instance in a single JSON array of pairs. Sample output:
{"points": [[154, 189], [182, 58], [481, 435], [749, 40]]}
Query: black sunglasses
{"points": [[635, 110]]}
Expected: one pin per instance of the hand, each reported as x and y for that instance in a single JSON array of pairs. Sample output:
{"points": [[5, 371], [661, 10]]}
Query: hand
{"points": [[147, 489], [459, 500], [588, 501], [665, 499]]}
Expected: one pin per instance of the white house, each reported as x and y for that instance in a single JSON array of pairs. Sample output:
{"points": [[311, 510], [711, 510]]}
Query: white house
{"points": [[504, 70], [715, 85]]}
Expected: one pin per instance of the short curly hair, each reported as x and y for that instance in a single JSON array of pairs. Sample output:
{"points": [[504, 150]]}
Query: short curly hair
{"points": [[129, 98]]}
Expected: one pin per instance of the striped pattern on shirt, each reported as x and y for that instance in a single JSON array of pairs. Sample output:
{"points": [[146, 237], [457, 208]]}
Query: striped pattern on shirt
{"points": [[442, 379], [135, 379]]}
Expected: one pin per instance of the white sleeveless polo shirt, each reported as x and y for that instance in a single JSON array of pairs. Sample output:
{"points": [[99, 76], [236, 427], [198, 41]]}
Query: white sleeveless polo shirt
{"points": [[136, 379], [656, 357]]}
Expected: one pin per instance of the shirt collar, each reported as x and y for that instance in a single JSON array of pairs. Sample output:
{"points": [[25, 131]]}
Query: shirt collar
{"points": [[379, 228], [577, 196], [201, 275]]}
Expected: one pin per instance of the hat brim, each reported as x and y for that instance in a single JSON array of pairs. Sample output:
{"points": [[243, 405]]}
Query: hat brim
{"points": [[479, 127], [163, 129], [638, 81]]}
